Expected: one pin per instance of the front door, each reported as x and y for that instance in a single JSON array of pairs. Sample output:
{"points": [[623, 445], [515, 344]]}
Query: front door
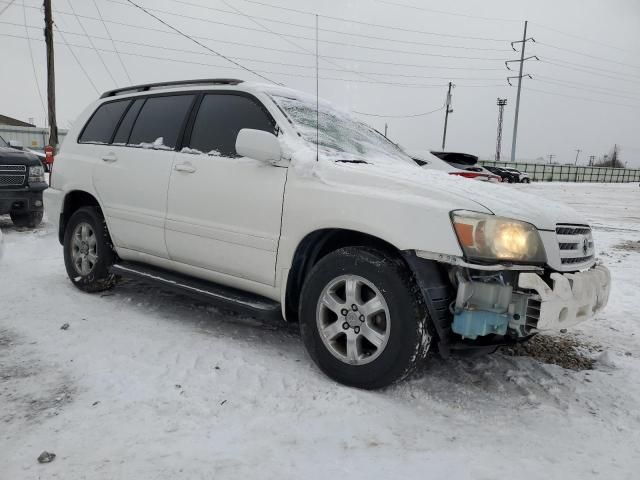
{"points": [[224, 211]]}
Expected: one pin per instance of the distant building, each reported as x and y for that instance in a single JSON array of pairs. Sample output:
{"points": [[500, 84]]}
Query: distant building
{"points": [[13, 122], [26, 133]]}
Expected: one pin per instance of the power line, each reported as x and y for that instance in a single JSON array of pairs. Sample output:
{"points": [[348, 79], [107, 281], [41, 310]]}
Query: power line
{"points": [[112, 42], [377, 25], [577, 52], [33, 63], [529, 89], [9, 3], [294, 65], [201, 44], [324, 29], [443, 12], [588, 85], [400, 116], [590, 72], [86, 74], [580, 37], [91, 43], [591, 90], [589, 67], [301, 37], [359, 60], [193, 52], [299, 47], [403, 85]]}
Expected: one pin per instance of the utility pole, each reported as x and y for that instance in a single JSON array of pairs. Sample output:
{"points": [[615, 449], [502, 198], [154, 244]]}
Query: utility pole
{"points": [[551, 158], [577, 154], [501, 103], [448, 110], [519, 77], [51, 77], [592, 159]]}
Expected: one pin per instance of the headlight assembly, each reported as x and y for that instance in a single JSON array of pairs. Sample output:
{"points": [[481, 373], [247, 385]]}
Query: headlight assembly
{"points": [[36, 174], [487, 237]]}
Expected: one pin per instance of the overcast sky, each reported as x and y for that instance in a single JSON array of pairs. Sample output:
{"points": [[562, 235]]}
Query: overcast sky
{"points": [[589, 69]]}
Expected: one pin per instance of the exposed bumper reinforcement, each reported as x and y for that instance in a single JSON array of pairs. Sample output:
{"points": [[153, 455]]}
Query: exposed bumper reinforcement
{"points": [[574, 298]]}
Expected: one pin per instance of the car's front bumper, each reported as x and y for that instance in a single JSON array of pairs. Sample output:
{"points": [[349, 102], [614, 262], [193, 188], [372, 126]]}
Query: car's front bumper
{"points": [[22, 200], [574, 297]]}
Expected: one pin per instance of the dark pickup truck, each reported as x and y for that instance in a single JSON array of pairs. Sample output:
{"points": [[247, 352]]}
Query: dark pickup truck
{"points": [[21, 185]]}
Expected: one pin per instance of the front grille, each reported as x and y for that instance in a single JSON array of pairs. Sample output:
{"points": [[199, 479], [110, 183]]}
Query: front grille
{"points": [[12, 175], [576, 244]]}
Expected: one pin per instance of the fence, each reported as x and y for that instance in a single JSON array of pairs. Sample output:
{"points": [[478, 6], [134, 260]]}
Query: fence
{"points": [[541, 172]]}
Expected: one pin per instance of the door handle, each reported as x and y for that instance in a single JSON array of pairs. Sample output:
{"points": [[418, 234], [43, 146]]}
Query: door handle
{"points": [[184, 167], [110, 157]]}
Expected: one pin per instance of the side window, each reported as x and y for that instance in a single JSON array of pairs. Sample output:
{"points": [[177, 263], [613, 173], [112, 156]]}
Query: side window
{"points": [[221, 117], [161, 118], [100, 127], [124, 130]]}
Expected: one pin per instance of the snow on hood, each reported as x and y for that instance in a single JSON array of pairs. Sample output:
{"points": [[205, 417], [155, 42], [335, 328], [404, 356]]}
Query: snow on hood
{"points": [[346, 143], [449, 191]]}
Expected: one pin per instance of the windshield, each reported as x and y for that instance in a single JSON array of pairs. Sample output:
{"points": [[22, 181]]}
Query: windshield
{"points": [[340, 133]]}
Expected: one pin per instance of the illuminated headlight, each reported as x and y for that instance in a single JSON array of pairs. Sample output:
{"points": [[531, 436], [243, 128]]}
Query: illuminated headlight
{"points": [[487, 237], [36, 174]]}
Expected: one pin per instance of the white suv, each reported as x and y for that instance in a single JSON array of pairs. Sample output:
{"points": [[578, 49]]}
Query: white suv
{"points": [[226, 190]]}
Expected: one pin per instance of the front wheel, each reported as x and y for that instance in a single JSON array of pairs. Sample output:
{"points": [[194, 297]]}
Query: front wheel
{"points": [[28, 220], [526, 180], [363, 319], [88, 254]]}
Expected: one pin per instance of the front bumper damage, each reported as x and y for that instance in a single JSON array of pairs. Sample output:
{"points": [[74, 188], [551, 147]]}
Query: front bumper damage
{"points": [[481, 307], [574, 297]]}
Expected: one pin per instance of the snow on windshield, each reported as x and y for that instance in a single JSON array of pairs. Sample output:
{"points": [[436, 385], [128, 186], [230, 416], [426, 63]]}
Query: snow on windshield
{"points": [[340, 136]]}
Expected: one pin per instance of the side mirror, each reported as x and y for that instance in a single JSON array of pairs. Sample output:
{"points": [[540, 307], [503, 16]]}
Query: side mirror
{"points": [[16, 144], [259, 145]]}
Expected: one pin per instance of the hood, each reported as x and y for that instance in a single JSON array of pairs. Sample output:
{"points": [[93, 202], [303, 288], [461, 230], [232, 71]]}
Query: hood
{"points": [[11, 156], [448, 191]]}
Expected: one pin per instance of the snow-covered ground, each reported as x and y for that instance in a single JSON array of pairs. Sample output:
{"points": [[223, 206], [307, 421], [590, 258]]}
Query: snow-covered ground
{"points": [[146, 384]]}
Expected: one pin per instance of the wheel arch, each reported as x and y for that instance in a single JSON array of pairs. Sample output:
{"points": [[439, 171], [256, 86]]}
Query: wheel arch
{"points": [[316, 245], [73, 201]]}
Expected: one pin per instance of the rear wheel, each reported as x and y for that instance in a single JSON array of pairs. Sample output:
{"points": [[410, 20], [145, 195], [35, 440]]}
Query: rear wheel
{"points": [[28, 220], [363, 319], [88, 254]]}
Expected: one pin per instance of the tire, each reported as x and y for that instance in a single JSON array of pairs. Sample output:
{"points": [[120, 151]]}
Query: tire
{"points": [[511, 180], [28, 220], [404, 325], [526, 180], [93, 246]]}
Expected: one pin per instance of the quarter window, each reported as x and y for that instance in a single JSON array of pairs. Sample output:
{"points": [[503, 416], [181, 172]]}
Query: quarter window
{"points": [[124, 130], [101, 125], [220, 118], [161, 118]]}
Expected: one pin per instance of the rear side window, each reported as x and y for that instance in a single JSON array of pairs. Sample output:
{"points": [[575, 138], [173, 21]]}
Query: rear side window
{"points": [[161, 118], [100, 127], [221, 117], [122, 135]]}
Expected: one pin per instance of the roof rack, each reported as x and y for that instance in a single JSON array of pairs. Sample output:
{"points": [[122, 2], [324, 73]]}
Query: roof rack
{"points": [[148, 86]]}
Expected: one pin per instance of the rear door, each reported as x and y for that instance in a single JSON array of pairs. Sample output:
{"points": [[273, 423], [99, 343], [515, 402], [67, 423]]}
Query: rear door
{"points": [[132, 172], [224, 210]]}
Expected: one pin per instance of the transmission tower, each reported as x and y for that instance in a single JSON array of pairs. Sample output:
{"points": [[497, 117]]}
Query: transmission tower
{"points": [[520, 76], [501, 103]]}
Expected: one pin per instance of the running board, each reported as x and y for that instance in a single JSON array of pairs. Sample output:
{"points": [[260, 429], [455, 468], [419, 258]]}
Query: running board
{"points": [[226, 297]]}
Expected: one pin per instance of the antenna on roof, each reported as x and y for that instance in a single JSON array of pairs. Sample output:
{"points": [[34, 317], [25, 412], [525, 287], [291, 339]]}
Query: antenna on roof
{"points": [[317, 98]]}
